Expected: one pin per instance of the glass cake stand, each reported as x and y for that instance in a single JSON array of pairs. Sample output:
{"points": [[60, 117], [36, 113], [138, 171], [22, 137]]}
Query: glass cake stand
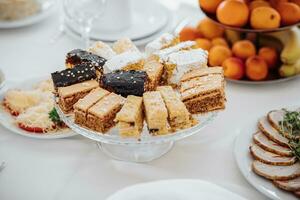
{"points": [[145, 149]]}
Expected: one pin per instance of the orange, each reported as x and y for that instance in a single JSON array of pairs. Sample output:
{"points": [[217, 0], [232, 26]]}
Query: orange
{"points": [[209, 6], [289, 12], [243, 49], [264, 18], [275, 3], [209, 29], [269, 55], [188, 33], [219, 41], [234, 68], [256, 68], [233, 13], [258, 3], [203, 43], [218, 54], [296, 2]]}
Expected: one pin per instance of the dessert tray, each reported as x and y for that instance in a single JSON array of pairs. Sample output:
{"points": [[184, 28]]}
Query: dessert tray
{"points": [[265, 159], [137, 104]]}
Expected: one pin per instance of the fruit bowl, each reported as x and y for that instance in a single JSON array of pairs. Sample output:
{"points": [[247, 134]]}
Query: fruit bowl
{"points": [[144, 149], [271, 81]]}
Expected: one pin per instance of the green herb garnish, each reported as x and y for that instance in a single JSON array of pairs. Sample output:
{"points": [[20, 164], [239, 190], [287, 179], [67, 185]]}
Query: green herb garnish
{"points": [[53, 115]]}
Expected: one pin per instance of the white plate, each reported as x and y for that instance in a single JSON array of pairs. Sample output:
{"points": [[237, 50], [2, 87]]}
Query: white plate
{"points": [[148, 17], [175, 190], [9, 123], [47, 7], [2, 79], [244, 161]]}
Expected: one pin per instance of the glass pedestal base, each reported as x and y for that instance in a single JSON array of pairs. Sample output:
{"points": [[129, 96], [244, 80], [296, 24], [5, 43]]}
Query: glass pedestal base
{"points": [[136, 153]]}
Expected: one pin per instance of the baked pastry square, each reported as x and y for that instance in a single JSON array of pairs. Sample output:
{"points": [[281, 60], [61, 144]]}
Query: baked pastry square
{"points": [[101, 116], [124, 45], [199, 72], [103, 50], [156, 113], [178, 115], [68, 96], [82, 106], [154, 70], [203, 94], [130, 118], [164, 41]]}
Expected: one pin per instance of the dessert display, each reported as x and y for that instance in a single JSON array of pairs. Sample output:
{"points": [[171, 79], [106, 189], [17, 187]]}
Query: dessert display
{"points": [[275, 149], [253, 14], [17, 9], [133, 82], [33, 110], [164, 87], [130, 119], [247, 56]]}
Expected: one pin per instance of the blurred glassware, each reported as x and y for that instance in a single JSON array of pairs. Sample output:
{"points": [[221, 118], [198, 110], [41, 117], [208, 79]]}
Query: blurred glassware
{"points": [[83, 13]]}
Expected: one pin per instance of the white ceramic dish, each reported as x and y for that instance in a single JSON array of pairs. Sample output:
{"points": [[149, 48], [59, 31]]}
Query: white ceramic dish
{"points": [[267, 82], [9, 123], [148, 17], [47, 7], [175, 190], [244, 161]]}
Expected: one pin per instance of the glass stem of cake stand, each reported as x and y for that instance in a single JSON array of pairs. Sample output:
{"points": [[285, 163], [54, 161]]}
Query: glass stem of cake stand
{"points": [[86, 26]]}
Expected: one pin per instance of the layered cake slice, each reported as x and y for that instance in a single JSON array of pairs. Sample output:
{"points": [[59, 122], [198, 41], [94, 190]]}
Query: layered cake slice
{"points": [[78, 56], [178, 115], [202, 72], [103, 50], [180, 62], [101, 116], [203, 93], [130, 118], [156, 113], [126, 82], [82, 106], [78, 74], [164, 41], [68, 96], [124, 45], [126, 61], [154, 70]]}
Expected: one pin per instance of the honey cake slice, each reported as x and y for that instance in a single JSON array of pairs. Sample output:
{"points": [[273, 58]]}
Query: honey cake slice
{"points": [[201, 72], [204, 97], [178, 115], [82, 106], [156, 113], [130, 118], [124, 45], [126, 61], [154, 70], [101, 116], [164, 41], [202, 80], [69, 95]]}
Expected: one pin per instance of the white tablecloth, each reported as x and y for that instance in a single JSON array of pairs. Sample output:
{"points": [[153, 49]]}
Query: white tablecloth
{"points": [[75, 168]]}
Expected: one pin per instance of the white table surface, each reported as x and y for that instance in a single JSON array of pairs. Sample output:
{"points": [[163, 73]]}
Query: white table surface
{"points": [[74, 168]]}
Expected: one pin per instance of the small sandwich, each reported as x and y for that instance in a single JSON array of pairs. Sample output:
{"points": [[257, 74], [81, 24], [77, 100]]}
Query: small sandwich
{"points": [[103, 50], [130, 118], [126, 82], [124, 45], [156, 113], [178, 115], [202, 90], [69, 95], [83, 105], [101, 116]]}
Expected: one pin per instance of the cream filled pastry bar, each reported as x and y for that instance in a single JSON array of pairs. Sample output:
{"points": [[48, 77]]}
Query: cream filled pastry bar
{"points": [[124, 45], [125, 61], [82, 106], [69, 95], [203, 93], [164, 41], [178, 115], [130, 118], [103, 50], [101, 116], [156, 113]]}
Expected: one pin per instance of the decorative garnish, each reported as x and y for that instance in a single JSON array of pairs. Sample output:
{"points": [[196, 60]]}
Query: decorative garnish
{"points": [[290, 126], [53, 115]]}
